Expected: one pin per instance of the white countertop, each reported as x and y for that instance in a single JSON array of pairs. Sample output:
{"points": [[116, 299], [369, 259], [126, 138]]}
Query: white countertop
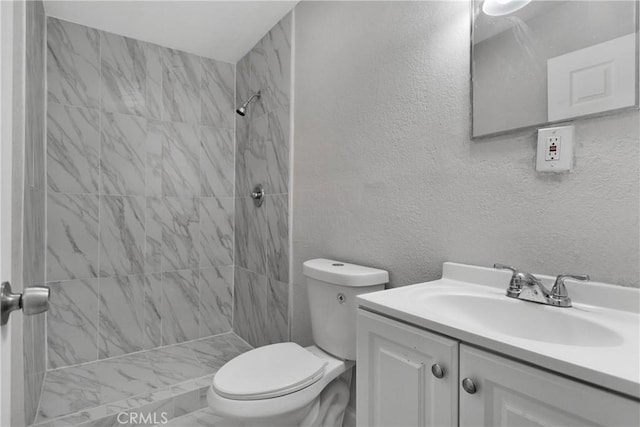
{"points": [[614, 366]]}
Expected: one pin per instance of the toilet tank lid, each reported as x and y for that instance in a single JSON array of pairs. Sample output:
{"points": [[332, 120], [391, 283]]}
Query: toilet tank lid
{"points": [[344, 274]]}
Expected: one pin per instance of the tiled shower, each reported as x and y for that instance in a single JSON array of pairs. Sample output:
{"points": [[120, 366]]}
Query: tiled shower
{"points": [[155, 254], [140, 222]]}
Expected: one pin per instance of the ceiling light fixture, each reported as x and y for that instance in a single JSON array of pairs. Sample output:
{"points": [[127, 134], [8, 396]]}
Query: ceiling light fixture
{"points": [[503, 7]]}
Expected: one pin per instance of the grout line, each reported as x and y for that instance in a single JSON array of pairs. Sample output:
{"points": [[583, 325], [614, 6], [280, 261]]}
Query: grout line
{"points": [[198, 308], [99, 197], [144, 246], [142, 274], [243, 340], [291, 176], [100, 110], [235, 183], [45, 189], [44, 380], [159, 196]]}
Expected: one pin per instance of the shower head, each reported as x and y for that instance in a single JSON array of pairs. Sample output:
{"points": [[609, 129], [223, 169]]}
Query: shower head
{"points": [[243, 110]]}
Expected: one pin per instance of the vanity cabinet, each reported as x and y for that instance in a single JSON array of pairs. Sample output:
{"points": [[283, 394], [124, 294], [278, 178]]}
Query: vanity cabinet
{"points": [[510, 393], [396, 386], [395, 382]]}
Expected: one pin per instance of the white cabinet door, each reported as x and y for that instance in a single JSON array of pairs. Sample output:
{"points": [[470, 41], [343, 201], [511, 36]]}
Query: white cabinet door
{"points": [[514, 394], [395, 385], [598, 78]]}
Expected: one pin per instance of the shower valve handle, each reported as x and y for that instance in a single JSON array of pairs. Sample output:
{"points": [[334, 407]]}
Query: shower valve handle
{"points": [[258, 195]]}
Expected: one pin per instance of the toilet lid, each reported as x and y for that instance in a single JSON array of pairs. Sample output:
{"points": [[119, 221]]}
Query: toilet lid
{"points": [[267, 372]]}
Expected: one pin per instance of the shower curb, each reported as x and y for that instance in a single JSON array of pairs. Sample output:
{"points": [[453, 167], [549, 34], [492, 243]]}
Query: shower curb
{"points": [[154, 408]]}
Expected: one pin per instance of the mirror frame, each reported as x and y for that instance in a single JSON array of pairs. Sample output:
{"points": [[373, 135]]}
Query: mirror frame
{"points": [[473, 4]]}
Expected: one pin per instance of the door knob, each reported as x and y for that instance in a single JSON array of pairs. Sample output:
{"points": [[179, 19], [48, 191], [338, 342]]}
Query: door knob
{"points": [[469, 386], [34, 300]]}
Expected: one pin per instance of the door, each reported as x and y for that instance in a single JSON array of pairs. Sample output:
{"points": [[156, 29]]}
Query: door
{"points": [[510, 393], [396, 385], [11, 135]]}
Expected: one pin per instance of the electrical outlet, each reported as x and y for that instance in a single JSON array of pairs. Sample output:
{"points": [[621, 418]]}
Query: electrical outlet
{"points": [[555, 149], [552, 148]]}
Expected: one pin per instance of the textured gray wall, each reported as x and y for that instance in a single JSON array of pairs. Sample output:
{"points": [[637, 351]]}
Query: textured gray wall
{"points": [[385, 173]]}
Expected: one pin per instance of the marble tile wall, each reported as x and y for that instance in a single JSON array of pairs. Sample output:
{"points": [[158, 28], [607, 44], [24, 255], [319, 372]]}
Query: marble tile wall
{"points": [[140, 183], [34, 341], [261, 308]]}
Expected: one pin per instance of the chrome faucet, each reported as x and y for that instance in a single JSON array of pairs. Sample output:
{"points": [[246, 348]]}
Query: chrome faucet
{"points": [[527, 287]]}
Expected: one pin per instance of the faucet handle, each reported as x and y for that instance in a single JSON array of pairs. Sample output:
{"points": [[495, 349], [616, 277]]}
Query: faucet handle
{"points": [[559, 291], [515, 285], [505, 267]]}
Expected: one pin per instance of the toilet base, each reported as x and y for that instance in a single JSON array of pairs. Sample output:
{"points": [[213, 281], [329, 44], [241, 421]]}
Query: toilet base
{"points": [[327, 410]]}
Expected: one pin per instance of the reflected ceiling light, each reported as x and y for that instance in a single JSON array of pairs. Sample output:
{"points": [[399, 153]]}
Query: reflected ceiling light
{"points": [[502, 7]]}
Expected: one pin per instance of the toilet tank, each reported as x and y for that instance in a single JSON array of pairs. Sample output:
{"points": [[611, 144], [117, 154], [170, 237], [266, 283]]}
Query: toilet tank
{"points": [[332, 290]]}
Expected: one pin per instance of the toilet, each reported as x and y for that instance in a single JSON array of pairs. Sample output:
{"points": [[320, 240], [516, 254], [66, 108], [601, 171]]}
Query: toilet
{"points": [[285, 384]]}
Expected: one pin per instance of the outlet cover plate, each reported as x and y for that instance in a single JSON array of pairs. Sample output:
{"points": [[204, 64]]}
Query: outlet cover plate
{"points": [[564, 163]]}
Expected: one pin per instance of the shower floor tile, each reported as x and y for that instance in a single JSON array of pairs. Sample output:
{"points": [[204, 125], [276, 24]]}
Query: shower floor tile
{"points": [[164, 377]]}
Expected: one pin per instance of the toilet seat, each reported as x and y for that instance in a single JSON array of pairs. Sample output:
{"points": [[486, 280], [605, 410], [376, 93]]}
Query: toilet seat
{"points": [[260, 409], [268, 372]]}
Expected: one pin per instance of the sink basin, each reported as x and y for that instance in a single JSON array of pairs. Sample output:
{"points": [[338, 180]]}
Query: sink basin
{"points": [[521, 319]]}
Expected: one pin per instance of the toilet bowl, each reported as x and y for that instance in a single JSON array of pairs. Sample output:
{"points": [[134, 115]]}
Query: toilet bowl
{"points": [[282, 397], [285, 384]]}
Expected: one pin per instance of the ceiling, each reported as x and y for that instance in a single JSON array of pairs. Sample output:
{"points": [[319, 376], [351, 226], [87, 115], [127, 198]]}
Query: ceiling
{"points": [[223, 30]]}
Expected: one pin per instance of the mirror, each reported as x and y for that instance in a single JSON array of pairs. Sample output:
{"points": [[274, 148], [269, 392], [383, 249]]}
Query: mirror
{"points": [[550, 61]]}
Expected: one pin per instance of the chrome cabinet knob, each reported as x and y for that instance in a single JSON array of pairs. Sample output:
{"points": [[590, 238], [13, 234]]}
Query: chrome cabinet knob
{"points": [[469, 386], [437, 371], [34, 300]]}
